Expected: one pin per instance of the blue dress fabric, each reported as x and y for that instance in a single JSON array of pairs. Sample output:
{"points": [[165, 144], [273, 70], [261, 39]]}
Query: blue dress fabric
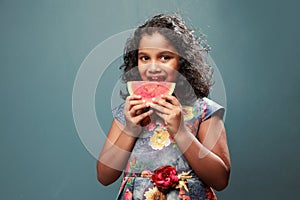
{"points": [[155, 148]]}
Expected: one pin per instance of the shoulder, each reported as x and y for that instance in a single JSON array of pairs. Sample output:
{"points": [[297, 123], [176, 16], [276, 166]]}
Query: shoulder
{"points": [[118, 113]]}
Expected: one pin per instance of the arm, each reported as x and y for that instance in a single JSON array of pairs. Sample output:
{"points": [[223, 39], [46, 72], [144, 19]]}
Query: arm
{"points": [[120, 141], [208, 156], [115, 153]]}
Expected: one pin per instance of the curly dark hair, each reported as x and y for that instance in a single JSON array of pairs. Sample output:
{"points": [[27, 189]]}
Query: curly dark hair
{"points": [[192, 64]]}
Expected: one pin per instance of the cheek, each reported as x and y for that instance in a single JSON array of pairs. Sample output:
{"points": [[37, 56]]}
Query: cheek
{"points": [[142, 73], [141, 70], [172, 75], [173, 69]]}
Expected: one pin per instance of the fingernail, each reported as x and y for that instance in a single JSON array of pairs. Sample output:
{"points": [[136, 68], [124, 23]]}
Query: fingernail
{"points": [[144, 101], [153, 99]]}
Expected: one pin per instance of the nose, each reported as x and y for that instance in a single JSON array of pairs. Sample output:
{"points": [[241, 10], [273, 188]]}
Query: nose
{"points": [[154, 67]]}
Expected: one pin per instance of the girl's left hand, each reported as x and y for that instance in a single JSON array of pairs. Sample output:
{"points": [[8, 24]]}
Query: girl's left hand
{"points": [[169, 109]]}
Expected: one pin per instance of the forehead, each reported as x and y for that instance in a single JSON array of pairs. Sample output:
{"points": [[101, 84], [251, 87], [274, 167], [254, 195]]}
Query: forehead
{"points": [[156, 41]]}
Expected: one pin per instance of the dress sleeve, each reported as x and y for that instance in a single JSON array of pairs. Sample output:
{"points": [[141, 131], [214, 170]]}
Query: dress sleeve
{"points": [[205, 108], [118, 113]]}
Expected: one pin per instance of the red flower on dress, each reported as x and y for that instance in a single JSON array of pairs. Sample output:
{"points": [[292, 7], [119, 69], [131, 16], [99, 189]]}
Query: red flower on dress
{"points": [[210, 195], [165, 178], [128, 195]]}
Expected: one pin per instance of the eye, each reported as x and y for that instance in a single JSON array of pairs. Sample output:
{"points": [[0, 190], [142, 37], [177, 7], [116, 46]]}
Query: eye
{"points": [[165, 58], [144, 58]]}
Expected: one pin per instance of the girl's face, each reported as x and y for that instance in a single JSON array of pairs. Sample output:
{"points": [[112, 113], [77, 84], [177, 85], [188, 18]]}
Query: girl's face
{"points": [[158, 60]]}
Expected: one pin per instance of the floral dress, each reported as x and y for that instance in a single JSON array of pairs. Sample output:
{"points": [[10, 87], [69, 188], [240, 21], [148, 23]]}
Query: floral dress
{"points": [[157, 169]]}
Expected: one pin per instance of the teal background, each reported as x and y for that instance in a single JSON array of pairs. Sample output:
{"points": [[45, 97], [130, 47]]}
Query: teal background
{"points": [[255, 45]]}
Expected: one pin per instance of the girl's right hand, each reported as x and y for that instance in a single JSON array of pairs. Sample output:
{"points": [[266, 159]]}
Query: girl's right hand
{"points": [[134, 114]]}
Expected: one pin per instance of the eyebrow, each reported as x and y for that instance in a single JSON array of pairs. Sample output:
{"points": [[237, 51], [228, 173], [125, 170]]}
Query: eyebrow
{"points": [[163, 52]]}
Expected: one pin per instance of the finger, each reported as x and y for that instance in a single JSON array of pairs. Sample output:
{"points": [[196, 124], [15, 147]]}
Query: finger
{"points": [[129, 99], [136, 102], [161, 115], [160, 108], [173, 100], [165, 104], [133, 97], [134, 110], [140, 117], [138, 112]]}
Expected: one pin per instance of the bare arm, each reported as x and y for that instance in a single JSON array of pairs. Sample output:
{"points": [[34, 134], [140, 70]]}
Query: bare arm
{"points": [[115, 153], [208, 157], [120, 141]]}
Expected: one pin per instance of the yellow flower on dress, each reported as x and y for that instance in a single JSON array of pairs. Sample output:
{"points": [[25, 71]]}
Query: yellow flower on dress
{"points": [[154, 193], [182, 180], [159, 139]]}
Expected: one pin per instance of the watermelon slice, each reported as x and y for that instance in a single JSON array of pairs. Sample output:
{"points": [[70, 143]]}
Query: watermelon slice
{"points": [[150, 89]]}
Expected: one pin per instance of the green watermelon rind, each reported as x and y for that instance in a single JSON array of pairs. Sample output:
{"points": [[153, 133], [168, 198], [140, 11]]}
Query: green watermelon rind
{"points": [[131, 85]]}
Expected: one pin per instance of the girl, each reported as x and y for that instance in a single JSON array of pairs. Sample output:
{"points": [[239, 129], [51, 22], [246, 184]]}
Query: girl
{"points": [[181, 152]]}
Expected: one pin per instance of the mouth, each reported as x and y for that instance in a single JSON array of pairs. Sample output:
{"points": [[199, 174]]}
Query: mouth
{"points": [[156, 78]]}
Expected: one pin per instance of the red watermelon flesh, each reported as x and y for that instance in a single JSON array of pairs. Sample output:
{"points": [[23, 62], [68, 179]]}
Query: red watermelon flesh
{"points": [[150, 89]]}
